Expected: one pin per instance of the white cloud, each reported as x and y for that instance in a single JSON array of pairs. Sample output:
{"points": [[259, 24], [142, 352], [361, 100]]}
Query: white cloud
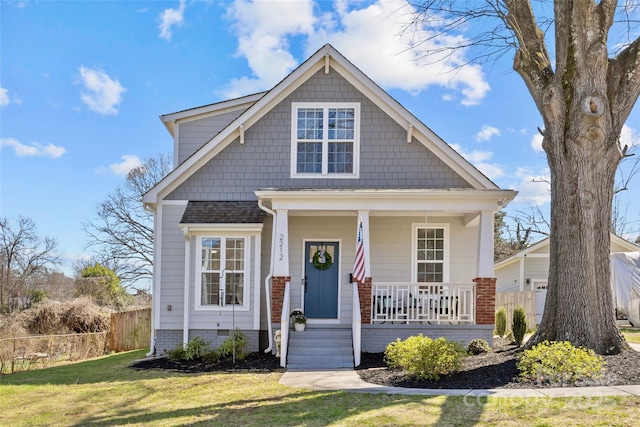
{"points": [[629, 136], [170, 18], [33, 150], [536, 142], [103, 94], [4, 97], [533, 187], [480, 158], [372, 37], [486, 133], [129, 162], [262, 29]]}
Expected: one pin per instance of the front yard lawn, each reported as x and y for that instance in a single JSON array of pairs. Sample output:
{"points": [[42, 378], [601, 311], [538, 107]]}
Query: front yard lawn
{"points": [[106, 392], [632, 335]]}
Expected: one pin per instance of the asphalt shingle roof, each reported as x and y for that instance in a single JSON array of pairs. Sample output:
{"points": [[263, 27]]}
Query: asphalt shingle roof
{"points": [[223, 212]]}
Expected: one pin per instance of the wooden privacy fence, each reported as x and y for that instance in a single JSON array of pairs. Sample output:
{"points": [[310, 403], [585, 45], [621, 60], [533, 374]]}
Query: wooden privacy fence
{"points": [[130, 330], [509, 300]]}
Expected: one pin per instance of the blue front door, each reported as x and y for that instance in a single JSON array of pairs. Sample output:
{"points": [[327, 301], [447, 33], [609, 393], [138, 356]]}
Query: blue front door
{"points": [[321, 280]]}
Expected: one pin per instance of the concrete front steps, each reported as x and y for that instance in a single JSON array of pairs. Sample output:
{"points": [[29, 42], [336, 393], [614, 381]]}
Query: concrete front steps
{"points": [[320, 348]]}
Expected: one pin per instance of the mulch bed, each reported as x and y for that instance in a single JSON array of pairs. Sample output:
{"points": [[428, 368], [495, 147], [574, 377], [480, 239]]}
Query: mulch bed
{"points": [[254, 362], [496, 369]]}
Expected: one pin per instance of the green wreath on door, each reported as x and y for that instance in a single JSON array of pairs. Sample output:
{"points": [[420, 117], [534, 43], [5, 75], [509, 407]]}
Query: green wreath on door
{"points": [[322, 259]]}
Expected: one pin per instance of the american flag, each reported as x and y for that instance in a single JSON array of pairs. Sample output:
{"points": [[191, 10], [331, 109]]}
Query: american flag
{"points": [[358, 265]]}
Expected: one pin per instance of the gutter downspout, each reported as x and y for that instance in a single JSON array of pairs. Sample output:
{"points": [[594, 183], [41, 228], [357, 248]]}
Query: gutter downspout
{"points": [[152, 343], [267, 280]]}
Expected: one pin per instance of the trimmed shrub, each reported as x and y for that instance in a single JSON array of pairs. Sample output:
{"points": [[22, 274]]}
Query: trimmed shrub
{"points": [[237, 339], [501, 321], [519, 324], [424, 358], [559, 362], [478, 346]]}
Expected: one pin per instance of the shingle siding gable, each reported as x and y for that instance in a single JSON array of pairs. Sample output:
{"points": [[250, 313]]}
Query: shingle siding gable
{"points": [[194, 134], [263, 161]]}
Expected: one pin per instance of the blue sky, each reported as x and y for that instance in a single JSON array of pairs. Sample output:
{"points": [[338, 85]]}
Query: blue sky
{"points": [[82, 85]]}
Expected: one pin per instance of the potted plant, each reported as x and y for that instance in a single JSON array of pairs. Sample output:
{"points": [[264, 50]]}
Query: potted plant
{"points": [[299, 319]]}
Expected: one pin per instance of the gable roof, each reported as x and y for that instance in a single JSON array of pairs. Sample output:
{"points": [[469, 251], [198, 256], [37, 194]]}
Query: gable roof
{"points": [[325, 58], [545, 242]]}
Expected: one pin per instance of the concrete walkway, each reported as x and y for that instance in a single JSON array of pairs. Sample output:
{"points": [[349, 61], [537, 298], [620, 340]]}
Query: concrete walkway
{"points": [[349, 380]]}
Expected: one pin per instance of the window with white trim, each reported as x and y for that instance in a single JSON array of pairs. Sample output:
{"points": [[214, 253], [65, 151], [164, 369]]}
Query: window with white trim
{"points": [[222, 274], [325, 140], [431, 253]]}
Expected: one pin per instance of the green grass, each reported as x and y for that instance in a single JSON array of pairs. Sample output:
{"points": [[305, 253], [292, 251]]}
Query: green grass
{"points": [[105, 392], [632, 335]]}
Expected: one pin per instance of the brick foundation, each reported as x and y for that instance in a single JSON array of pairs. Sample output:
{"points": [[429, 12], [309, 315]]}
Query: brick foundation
{"points": [[277, 296], [364, 292], [485, 300]]}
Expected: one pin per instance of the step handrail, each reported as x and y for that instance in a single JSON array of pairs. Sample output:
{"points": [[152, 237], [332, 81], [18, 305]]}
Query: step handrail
{"points": [[284, 325], [356, 326]]}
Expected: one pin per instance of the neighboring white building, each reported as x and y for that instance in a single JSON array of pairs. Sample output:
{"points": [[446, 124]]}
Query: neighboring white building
{"points": [[528, 270]]}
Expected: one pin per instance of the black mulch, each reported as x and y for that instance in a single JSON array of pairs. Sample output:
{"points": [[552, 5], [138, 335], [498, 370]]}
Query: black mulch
{"points": [[496, 369]]}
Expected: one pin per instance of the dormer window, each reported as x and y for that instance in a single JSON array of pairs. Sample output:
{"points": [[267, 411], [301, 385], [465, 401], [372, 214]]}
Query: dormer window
{"points": [[325, 140]]}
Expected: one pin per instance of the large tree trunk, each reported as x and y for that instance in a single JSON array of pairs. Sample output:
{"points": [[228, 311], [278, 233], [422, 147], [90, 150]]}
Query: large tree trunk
{"points": [[584, 103]]}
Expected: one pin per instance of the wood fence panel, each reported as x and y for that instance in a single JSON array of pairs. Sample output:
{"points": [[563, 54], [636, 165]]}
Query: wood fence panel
{"points": [[509, 300], [130, 330]]}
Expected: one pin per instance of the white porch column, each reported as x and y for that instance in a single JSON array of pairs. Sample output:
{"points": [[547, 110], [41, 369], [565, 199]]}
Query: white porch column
{"points": [[281, 260], [364, 217], [485, 245]]}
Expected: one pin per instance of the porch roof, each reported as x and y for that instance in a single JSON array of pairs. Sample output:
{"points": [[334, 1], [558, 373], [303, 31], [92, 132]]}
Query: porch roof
{"points": [[222, 212], [419, 200]]}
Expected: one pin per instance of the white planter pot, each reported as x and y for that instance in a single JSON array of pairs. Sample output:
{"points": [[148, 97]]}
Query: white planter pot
{"points": [[299, 326]]}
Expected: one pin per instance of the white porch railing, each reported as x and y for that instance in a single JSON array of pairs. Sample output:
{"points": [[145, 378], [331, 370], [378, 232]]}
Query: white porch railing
{"points": [[356, 326], [284, 325], [432, 303]]}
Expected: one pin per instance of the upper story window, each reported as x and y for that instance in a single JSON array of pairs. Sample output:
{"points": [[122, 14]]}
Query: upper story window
{"points": [[221, 272], [431, 253], [325, 140]]}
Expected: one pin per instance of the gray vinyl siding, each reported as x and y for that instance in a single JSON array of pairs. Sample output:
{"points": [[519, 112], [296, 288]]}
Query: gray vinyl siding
{"points": [[263, 161], [535, 268], [375, 338], [194, 134], [508, 278], [391, 248], [172, 268]]}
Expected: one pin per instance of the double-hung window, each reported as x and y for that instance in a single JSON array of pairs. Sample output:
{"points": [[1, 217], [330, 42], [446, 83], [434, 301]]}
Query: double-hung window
{"points": [[325, 140], [431, 253], [222, 271]]}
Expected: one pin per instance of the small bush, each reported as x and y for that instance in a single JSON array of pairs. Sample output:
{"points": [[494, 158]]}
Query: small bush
{"points": [[501, 321], [211, 356], [559, 362], [519, 324], [236, 340], [425, 358], [195, 349], [176, 354], [478, 346]]}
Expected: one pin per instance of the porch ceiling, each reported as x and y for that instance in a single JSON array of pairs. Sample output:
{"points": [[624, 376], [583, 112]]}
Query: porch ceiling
{"points": [[416, 202]]}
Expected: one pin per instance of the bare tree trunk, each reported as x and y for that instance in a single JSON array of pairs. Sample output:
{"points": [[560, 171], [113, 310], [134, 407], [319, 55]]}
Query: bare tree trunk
{"points": [[579, 304]]}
